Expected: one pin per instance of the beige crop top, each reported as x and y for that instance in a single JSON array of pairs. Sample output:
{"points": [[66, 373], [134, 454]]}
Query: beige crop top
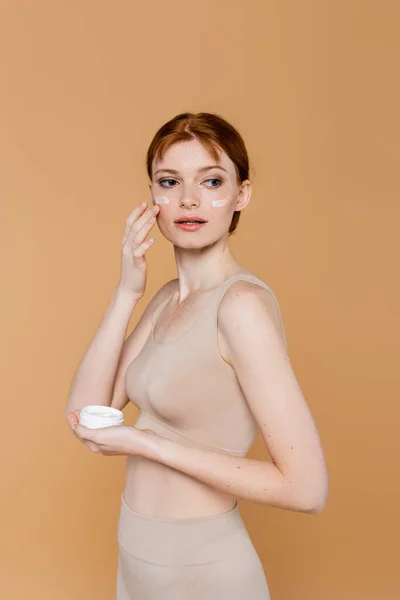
{"points": [[186, 391]]}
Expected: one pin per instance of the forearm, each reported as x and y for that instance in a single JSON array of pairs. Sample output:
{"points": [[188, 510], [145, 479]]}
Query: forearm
{"points": [[254, 480], [94, 378]]}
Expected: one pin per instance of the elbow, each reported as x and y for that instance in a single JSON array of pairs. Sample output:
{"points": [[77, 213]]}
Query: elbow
{"points": [[316, 496], [317, 504], [315, 509]]}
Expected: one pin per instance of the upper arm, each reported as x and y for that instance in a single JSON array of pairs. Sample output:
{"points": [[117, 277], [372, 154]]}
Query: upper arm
{"points": [[134, 343], [258, 354]]}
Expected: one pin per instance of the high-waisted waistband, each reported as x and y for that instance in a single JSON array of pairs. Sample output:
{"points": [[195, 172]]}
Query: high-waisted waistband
{"points": [[173, 541]]}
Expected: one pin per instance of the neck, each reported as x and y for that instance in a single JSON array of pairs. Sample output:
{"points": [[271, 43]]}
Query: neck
{"points": [[202, 269]]}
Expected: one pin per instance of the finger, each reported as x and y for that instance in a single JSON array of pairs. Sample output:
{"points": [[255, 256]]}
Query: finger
{"points": [[72, 420], [141, 227], [92, 446], [141, 234], [140, 250], [85, 433], [134, 214], [72, 417], [132, 248], [150, 213], [138, 215]]}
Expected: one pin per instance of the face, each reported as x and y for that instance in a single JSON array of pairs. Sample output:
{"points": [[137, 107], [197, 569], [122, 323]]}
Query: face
{"points": [[184, 185]]}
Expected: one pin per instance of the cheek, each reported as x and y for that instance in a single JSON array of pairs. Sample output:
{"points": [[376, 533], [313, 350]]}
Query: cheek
{"points": [[219, 203], [161, 200]]}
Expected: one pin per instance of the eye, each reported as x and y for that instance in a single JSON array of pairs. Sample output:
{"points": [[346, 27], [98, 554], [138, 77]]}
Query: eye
{"points": [[215, 179], [161, 181]]}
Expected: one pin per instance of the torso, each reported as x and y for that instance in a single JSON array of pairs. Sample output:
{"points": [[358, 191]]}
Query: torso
{"points": [[157, 490]]}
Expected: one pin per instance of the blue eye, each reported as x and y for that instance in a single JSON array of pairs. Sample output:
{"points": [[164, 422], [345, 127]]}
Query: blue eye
{"points": [[215, 179]]}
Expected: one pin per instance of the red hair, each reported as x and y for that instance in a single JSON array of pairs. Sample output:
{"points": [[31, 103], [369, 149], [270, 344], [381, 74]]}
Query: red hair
{"points": [[214, 133]]}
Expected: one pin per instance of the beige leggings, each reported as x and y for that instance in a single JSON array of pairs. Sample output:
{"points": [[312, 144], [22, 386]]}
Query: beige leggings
{"points": [[206, 558]]}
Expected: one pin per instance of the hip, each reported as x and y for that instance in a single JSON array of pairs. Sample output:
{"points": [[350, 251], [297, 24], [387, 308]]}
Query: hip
{"points": [[175, 559]]}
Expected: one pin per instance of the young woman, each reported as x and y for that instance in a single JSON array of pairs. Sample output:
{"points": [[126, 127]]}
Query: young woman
{"points": [[208, 367]]}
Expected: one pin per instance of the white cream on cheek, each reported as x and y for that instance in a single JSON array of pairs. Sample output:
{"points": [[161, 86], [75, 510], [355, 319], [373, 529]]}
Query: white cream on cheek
{"points": [[161, 200], [165, 200], [217, 203]]}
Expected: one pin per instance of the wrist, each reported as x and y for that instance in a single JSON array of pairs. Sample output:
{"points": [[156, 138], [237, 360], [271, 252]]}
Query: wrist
{"points": [[126, 295], [153, 445]]}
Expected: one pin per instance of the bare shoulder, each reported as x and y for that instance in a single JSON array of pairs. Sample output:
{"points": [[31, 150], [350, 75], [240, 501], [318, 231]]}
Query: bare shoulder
{"points": [[245, 303]]}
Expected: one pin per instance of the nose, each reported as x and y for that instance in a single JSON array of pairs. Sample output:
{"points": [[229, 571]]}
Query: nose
{"points": [[188, 198], [188, 202]]}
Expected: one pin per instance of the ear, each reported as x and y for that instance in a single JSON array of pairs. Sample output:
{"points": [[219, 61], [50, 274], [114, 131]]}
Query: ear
{"points": [[244, 195]]}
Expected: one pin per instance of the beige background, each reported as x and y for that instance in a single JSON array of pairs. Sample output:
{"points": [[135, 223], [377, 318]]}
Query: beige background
{"points": [[313, 88]]}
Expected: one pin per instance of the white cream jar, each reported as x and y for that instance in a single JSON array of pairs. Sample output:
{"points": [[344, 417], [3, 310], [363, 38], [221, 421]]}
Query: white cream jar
{"points": [[96, 416]]}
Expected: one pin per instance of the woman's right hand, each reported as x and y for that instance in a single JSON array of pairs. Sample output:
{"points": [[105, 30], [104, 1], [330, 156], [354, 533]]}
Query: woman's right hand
{"points": [[134, 245]]}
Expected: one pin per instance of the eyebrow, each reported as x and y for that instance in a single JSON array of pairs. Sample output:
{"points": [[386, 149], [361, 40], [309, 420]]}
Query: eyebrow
{"points": [[199, 170]]}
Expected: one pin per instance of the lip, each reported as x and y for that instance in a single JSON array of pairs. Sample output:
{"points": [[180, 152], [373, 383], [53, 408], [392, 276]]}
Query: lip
{"points": [[189, 218], [190, 227]]}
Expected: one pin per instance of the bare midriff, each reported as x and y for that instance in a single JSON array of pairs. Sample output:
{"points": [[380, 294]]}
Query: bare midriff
{"points": [[157, 490]]}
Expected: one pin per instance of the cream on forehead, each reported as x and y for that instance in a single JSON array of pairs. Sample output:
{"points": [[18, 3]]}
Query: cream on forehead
{"points": [[221, 202]]}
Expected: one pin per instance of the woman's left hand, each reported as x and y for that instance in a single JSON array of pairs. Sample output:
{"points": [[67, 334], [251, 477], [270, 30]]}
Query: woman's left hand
{"points": [[112, 441]]}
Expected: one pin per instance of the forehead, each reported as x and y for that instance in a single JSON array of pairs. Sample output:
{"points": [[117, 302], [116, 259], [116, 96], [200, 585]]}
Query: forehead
{"points": [[189, 156]]}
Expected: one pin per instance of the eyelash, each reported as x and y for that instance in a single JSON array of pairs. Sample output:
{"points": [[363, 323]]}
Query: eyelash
{"points": [[160, 181]]}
